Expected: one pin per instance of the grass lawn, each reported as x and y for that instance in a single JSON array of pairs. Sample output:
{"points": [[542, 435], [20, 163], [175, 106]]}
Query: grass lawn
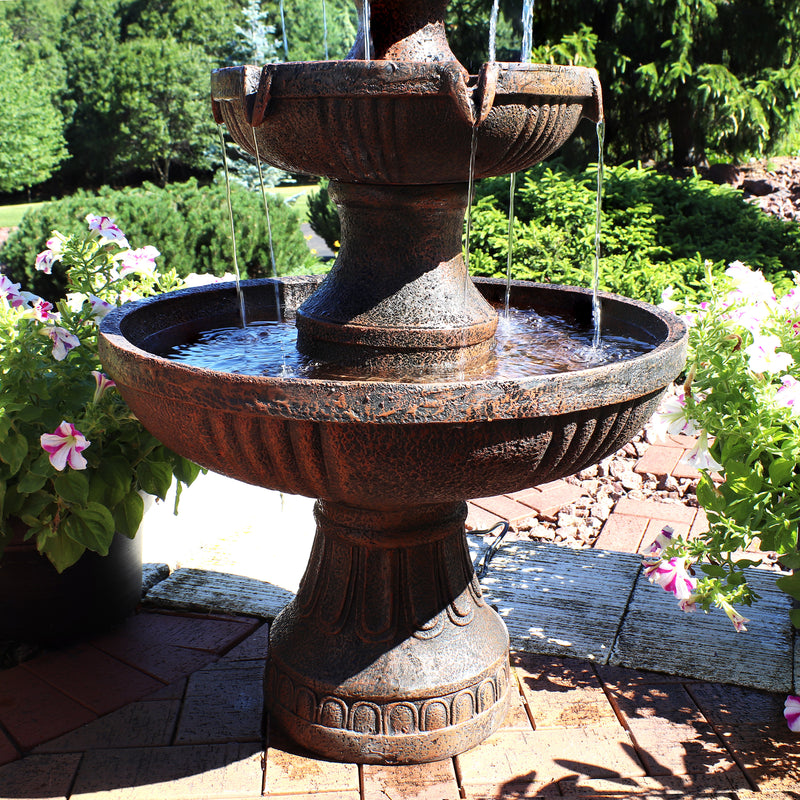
{"points": [[10, 216], [300, 193]]}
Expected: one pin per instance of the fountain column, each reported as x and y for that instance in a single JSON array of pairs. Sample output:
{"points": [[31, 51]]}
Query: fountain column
{"points": [[389, 654]]}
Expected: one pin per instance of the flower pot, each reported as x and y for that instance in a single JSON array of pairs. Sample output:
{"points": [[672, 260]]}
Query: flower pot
{"points": [[40, 606]]}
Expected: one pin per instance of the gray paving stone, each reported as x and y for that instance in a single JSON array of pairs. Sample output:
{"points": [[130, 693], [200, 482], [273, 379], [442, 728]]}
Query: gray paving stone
{"points": [[657, 635], [205, 590], [171, 773], [223, 703], [560, 601], [147, 723], [40, 776], [153, 574]]}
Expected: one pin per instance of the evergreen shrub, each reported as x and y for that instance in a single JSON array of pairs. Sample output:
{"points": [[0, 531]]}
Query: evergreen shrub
{"points": [[188, 223], [657, 231]]}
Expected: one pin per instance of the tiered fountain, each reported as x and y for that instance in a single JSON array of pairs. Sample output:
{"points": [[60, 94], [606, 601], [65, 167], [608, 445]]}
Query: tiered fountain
{"points": [[389, 654]]}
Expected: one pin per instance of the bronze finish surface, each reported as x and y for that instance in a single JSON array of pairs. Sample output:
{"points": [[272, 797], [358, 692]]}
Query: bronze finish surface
{"points": [[389, 654]]}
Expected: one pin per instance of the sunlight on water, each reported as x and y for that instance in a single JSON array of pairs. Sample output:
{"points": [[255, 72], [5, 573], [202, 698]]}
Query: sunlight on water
{"points": [[233, 227], [526, 344], [596, 310]]}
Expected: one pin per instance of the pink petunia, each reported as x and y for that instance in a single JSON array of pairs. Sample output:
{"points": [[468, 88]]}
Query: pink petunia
{"points": [[44, 311], [672, 576], [792, 712], [63, 341], [763, 355], [107, 229], [45, 261], [788, 395], [141, 260], [64, 446], [734, 616], [102, 384], [10, 291], [99, 307]]}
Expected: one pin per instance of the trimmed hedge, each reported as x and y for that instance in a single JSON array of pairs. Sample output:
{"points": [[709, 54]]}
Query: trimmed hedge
{"points": [[187, 222]]}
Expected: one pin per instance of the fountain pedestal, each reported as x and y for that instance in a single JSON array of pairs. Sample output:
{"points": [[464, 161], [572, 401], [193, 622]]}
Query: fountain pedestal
{"points": [[389, 653]]}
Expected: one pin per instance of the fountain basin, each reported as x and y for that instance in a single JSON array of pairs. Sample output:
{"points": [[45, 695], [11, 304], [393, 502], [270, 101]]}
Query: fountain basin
{"points": [[403, 122], [418, 442]]}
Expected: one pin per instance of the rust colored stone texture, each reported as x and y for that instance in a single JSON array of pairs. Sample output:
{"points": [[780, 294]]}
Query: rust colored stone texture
{"points": [[389, 654]]}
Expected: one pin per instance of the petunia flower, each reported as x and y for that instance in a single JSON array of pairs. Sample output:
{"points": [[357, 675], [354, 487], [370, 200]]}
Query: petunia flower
{"points": [[734, 616], [672, 576], [10, 291], [141, 260], [750, 285], [672, 418], [763, 356], [45, 261], [662, 540], [64, 446], [107, 229], [788, 396], [102, 384], [42, 311], [700, 456], [63, 341], [99, 307], [792, 712], [667, 303]]}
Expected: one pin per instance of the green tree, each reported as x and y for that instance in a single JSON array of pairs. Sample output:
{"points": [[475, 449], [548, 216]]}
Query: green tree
{"points": [[160, 106], [207, 24], [88, 44], [684, 78], [306, 28], [31, 136]]}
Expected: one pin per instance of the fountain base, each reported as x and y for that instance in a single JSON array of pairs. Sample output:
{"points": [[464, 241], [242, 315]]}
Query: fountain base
{"points": [[389, 654]]}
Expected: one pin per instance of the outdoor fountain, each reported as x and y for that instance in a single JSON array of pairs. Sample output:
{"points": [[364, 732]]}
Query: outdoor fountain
{"points": [[388, 653]]}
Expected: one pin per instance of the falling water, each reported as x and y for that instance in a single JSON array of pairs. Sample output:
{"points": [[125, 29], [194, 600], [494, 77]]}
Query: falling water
{"points": [[493, 31], [365, 27], [239, 294], [511, 191], [283, 31], [527, 31], [596, 312], [269, 227], [473, 147], [325, 29]]}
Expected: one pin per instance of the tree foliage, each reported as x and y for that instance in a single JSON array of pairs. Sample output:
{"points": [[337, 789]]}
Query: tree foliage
{"points": [[31, 140], [684, 78]]}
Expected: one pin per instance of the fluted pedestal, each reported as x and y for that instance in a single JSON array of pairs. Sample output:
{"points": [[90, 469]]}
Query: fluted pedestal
{"points": [[389, 653]]}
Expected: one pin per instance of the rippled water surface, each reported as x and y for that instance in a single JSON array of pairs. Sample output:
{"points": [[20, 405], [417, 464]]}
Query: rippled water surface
{"points": [[526, 344]]}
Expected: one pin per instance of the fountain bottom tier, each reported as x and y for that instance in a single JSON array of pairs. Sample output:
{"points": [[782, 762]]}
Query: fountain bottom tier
{"points": [[388, 654]]}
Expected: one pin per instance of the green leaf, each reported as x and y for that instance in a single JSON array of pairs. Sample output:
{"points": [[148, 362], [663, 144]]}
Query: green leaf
{"points": [[790, 560], [31, 482], [63, 552], [155, 477], [128, 514], [73, 487], [713, 570], [794, 616], [110, 484], [13, 450], [92, 526], [781, 471], [790, 584]]}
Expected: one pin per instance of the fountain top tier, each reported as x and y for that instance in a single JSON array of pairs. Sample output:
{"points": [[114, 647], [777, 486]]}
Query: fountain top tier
{"points": [[397, 135]]}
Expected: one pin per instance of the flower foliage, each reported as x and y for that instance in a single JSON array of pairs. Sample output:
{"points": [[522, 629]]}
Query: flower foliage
{"points": [[742, 397], [74, 461]]}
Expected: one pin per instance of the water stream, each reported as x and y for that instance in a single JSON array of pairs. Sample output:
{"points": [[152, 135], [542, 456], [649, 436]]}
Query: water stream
{"points": [[512, 187], [473, 149], [596, 309], [493, 31], [365, 27], [239, 294], [325, 29], [269, 224], [283, 32]]}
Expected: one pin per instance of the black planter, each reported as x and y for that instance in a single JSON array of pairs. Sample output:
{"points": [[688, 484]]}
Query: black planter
{"points": [[42, 607]]}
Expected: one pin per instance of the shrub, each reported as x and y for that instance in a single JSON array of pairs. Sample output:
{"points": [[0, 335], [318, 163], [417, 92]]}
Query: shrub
{"points": [[656, 231], [188, 223], [323, 216]]}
